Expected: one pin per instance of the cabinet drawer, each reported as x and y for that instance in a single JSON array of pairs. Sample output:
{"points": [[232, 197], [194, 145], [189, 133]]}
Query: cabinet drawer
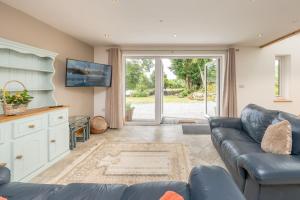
{"points": [[58, 117], [29, 125], [58, 140], [29, 154]]}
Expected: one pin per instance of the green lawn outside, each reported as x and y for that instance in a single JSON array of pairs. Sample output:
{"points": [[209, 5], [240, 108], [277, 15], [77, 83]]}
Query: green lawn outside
{"points": [[167, 99]]}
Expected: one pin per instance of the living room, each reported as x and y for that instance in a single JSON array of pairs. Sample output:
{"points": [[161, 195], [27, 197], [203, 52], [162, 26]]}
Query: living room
{"points": [[198, 100]]}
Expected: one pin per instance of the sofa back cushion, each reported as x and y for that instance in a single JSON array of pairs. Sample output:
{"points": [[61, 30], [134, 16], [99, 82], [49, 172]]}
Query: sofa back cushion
{"points": [[88, 191], [295, 122], [155, 190], [255, 121]]}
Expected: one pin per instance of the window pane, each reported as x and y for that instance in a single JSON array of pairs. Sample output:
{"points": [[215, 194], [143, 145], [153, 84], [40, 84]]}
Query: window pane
{"points": [[277, 77], [140, 89]]}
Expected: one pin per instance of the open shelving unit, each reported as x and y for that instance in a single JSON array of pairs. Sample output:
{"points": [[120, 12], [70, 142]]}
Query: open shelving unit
{"points": [[32, 66]]}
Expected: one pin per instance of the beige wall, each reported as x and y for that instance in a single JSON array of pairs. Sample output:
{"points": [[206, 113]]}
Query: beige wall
{"points": [[100, 56], [255, 75], [19, 27]]}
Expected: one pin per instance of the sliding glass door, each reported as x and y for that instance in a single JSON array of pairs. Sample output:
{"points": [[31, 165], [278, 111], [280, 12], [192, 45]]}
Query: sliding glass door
{"points": [[157, 88], [141, 86], [190, 88]]}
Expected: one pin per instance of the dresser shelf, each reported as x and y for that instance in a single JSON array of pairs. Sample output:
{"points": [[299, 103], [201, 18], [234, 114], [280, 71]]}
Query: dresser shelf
{"points": [[29, 68], [32, 66]]}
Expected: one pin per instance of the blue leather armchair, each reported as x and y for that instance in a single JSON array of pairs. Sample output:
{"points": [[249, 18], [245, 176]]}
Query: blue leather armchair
{"points": [[205, 183], [259, 175]]}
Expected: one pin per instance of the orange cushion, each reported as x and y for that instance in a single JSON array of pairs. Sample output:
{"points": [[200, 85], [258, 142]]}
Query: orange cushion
{"points": [[169, 195], [2, 198]]}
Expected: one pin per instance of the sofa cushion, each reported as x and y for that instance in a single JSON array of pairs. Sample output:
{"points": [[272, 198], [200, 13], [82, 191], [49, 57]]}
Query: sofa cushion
{"points": [[271, 169], [222, 134], [233, 149], [89, 191], [295, 122], [278, 138], [155, 190], [25, 191], [255, 120]]}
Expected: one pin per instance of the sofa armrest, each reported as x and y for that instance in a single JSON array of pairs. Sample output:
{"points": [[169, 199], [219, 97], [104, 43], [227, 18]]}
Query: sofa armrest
{"points": [[225, 122], [270, 169], [4, 175], [211, 183]]}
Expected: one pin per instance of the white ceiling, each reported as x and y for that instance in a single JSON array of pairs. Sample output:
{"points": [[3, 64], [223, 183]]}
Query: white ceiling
{"points": [[195, 22]]}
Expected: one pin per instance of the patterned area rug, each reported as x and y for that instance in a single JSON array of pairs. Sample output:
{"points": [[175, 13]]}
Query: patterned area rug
{"points": [[129, 163]]}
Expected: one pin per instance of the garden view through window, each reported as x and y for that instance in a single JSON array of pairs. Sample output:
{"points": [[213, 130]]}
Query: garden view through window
{"points": [[188, 87]]}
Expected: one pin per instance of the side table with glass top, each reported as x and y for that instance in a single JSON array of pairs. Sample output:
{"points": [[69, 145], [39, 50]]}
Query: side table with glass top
{"points": [[79, 129]]}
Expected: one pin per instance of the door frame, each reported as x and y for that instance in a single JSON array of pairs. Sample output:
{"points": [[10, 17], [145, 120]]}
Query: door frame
{"points": [[158, 56]]}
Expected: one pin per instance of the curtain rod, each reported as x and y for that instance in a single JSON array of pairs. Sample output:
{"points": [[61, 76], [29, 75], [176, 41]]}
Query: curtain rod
{"points": [[151, 50]]}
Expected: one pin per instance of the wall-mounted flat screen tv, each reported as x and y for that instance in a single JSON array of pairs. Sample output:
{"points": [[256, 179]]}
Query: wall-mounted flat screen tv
{"points": [[87, 74]]}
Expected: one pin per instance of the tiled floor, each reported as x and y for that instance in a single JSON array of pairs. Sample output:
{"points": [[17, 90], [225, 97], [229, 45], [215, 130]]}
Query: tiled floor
{"points": [[200, 147]]}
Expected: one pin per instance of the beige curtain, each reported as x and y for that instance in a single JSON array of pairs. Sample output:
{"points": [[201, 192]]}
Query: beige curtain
{"points": [[114, 94], [229, 103]]}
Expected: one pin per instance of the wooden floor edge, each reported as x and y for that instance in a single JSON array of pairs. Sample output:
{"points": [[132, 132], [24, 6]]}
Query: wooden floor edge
{"points": [[281, 38]]}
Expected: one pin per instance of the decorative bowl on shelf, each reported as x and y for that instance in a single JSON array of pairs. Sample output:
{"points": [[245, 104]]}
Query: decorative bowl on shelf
{"points": [[15, 102]]}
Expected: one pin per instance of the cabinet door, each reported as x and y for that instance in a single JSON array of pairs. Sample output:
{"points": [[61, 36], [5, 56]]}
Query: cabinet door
{"points": [[29, 154], [58, 140], [5, 147], [5, 154]]}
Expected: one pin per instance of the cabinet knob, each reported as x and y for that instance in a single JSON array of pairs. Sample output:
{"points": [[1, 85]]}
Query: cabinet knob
{"points": [[2, 165], [31, 126], [52, 141], [19, 157], [60, 117]]}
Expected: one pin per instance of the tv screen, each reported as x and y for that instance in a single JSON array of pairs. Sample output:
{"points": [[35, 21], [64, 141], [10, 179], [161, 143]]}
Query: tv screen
{"points": [[87, 74]]}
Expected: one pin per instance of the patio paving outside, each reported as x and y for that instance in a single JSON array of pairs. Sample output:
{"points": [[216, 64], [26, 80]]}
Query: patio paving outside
{"points": [[174, 110]]}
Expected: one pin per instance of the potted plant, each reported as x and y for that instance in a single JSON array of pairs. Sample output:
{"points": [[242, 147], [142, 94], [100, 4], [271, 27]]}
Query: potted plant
{"points": [[14, 102], [129, 111]]}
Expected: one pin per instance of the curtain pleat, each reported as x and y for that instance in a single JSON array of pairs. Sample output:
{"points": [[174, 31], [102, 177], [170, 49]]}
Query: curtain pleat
{"points": [[114, 94], [229, 101]]}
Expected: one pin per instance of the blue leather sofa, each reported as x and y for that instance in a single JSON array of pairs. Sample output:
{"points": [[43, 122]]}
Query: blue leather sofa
{"points": [[205, 183], [259, 175]]}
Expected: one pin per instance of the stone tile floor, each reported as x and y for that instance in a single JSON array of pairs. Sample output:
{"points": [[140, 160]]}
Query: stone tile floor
{"points": [[200, 147]]}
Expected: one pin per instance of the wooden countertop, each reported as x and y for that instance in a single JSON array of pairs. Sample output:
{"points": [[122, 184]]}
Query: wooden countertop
{"points": [[30, 112]]}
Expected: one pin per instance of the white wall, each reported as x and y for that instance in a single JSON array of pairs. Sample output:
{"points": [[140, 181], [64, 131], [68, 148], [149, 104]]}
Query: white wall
{"points": [[255, 73], [100, 56]]}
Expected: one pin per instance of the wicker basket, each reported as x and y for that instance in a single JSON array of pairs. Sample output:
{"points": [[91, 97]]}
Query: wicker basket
{"points": [[10, 109], [98, 125]]}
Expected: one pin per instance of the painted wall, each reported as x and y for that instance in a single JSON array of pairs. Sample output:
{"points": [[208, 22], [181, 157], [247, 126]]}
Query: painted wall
{"points": [[100, 56], [20, 27], [255, 75]]}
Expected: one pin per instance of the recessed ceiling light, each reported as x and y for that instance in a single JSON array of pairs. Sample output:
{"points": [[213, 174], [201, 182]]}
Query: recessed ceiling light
{"points": [[174, 35], [259, 35], [106, 36]]}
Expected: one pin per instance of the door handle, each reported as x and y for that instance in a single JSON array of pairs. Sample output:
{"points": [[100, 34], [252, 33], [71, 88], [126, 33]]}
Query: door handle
{"points": [[19, 157], [52, 141], [60, 117]]}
